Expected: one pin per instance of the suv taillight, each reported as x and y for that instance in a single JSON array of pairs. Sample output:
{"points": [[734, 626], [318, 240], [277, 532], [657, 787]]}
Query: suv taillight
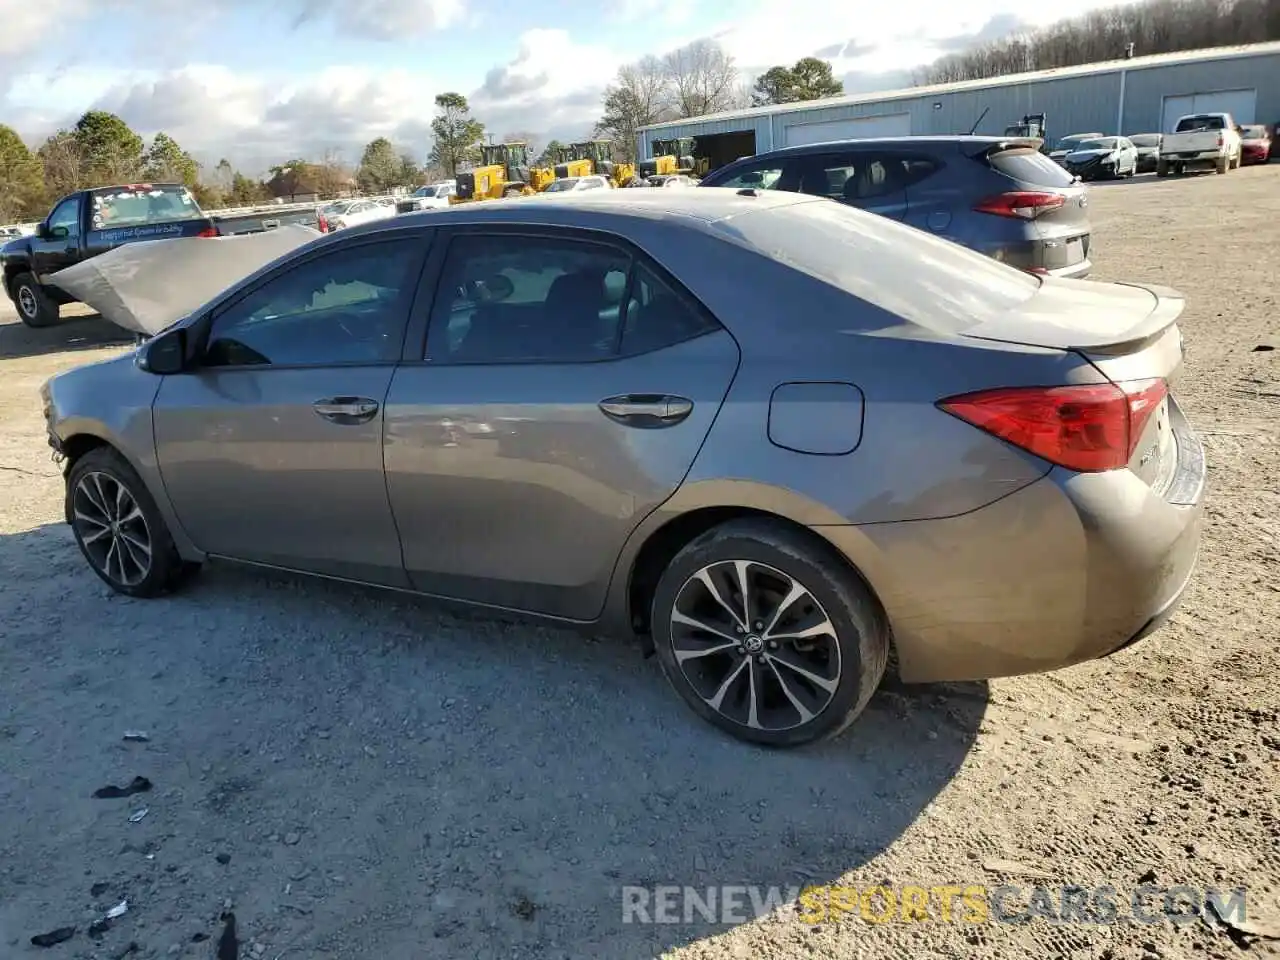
{"points": [[1023, 204], [208, 232], [1087, 428]]}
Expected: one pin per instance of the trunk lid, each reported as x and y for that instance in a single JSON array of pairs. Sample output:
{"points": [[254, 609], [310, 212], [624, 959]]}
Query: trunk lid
{"points": [[1064, 229], [1127, 331]]}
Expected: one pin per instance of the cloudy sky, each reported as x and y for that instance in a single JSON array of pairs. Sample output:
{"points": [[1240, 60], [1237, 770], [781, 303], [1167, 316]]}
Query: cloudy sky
{"points": [[259, 81]]}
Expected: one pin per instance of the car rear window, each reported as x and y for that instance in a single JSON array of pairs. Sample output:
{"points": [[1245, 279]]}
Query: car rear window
{"points": [[1029, 166], [1209, 122], [924, 279]]}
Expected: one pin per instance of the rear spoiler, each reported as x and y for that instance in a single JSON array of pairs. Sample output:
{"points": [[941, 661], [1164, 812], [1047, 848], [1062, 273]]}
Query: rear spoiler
{"points": [[1169, 306], [1010, 143]]}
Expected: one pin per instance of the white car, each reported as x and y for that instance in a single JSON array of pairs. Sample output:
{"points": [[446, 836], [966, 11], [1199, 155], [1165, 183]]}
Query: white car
{"points": [[1109, 157], [359, 211], [434, 196], [573, 184], [672, 180]]}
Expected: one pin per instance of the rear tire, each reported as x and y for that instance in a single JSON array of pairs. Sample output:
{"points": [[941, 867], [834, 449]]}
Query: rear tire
{"points": [[743, 665], [35, 307], [119, 528], [1223, 165], [1162, 168]]}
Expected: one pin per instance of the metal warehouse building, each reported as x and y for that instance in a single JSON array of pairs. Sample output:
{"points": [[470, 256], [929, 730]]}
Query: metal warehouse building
{"points": [[1134, 95]]}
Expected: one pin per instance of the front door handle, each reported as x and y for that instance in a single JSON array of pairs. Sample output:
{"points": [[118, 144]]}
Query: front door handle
{"points": [[646, 409], [346, 410]]}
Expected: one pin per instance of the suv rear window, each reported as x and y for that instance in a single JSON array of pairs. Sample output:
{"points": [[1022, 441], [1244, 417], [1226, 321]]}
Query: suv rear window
{"points": [[1029, 166]]}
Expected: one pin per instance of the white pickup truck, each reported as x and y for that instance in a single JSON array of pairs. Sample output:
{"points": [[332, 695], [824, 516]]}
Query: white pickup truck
{"points": [[1200, 141]]}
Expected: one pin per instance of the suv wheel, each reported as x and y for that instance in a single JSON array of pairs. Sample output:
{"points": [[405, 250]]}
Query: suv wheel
{"points": [[767, 634]]}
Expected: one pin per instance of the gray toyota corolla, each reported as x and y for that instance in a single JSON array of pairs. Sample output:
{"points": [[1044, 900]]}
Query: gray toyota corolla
{"points": [[778, 437]]}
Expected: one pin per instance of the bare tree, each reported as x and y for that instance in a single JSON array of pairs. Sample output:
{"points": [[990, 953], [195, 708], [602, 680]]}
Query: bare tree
{"points": [[639, 95], [703, 78], [1154, 26]]}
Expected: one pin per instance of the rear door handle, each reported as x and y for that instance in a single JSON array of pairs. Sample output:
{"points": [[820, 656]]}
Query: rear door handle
{"points": [[646, 409], [346, 410]]}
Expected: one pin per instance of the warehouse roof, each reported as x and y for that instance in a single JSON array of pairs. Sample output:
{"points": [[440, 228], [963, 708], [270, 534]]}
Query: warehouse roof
{"points": [[1012, 79]]}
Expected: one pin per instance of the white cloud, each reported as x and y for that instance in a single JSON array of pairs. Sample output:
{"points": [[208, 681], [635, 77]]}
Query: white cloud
{"points": [[552, 87]]}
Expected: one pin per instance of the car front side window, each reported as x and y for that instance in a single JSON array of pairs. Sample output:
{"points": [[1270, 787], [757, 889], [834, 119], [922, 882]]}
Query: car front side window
{"points": [[346, 306], [67, 216]]}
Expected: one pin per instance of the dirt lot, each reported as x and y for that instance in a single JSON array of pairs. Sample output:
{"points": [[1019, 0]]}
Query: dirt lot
{"points": [[361, 775]]}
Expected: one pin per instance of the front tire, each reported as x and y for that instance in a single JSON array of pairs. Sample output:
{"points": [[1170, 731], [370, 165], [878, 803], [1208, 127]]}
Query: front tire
{"points": [[767, 634], [119, 528], [35, 307]]}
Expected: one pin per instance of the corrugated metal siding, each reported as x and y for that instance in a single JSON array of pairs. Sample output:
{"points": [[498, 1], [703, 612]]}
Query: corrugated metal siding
{"points": [[1145, 90], [1073, 104]]}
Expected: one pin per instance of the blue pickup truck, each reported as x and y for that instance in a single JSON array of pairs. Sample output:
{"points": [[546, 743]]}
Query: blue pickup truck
{"points": [[87, 223]]}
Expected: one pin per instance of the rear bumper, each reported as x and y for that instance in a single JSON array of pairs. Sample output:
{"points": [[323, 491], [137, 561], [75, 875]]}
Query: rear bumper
{"points": [[1071, 568], [1053, 258]]}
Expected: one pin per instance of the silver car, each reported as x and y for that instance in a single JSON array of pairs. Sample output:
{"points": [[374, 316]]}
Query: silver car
{"points": [[777, 437]]}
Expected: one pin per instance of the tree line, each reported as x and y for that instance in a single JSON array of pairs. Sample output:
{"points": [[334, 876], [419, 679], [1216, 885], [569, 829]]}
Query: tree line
{"points": [[1154, 26]]}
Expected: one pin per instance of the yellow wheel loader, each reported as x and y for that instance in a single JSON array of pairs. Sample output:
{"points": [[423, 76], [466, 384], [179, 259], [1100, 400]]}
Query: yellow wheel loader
{"points": [[504, 171], [600, 153], [674, 156]]}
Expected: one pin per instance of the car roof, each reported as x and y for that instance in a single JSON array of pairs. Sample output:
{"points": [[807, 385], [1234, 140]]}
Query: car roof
{"points": [[594, 209], [940, 140]]}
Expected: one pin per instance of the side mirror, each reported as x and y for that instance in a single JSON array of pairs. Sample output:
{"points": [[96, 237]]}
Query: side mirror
{"points": [[165, 353], [42, 232]]}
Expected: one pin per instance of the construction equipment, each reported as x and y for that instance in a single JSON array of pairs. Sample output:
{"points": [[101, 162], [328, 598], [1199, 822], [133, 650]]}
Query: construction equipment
{"points": [[674, 156], [503, 172], [1032, 127], [600, 153]]}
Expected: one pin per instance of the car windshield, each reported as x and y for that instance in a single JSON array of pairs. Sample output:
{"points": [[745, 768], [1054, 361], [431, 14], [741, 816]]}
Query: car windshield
{"points": [[1105, 143], [425, 192], [142, 205], [559, 186], [337, 207], [1254, 132], [1069, 143], [1146, 140]]}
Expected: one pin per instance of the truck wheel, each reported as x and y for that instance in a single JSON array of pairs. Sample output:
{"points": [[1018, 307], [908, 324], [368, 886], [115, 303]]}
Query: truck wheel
{"points": [[34, 305], [1162, 168], [1223, 165]]}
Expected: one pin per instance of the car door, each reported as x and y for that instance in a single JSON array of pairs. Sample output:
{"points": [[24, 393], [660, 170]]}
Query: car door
{"points": [[551, 412], [271, 447], [60, 245]]}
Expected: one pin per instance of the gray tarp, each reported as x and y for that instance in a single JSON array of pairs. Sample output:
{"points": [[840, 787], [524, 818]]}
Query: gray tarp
{"points": [[146, 286]]}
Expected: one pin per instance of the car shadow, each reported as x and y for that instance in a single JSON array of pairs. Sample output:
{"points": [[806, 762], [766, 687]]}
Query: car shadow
{"points": [[460, 778], [86, 332]]}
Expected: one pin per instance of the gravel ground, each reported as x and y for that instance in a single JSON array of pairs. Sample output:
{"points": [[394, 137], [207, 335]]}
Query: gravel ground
{"points": [[361, 775]]}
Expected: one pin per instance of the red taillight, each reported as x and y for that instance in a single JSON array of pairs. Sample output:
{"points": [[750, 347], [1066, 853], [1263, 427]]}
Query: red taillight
{"points": [[1024, 204], [1220, 140], [1087, 428], [322, 224], [208, 232]]}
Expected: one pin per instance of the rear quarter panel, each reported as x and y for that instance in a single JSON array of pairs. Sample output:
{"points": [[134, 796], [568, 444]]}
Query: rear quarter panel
{"points": [[913, 461]]}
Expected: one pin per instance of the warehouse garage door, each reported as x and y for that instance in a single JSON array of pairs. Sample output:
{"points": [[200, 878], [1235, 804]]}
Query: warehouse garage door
{"points": [[889, 125], [1241, 104]]}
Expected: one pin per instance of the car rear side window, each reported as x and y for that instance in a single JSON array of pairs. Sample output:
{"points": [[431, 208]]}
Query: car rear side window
{"points": [[508, 298], [1029, 166]]}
